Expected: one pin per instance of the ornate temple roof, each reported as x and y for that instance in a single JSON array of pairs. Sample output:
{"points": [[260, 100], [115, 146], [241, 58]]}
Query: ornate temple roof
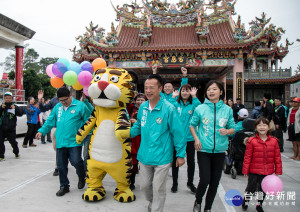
{"points": [[190, 25]]}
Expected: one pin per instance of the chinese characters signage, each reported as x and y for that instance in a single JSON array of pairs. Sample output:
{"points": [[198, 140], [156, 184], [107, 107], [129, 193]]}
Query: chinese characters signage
{"points": [[169, 59]]}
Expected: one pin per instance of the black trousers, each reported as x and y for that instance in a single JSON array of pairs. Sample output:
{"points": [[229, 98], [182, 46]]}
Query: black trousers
{"points": [[11, 137], [278, 133], [254, 184], [210, 168], [31, 131], [190, 157]]}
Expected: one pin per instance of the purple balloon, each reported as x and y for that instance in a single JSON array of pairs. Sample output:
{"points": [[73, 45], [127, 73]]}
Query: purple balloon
{"points": [[56, 71], [85, 78], [87, 67], [61, 67]]}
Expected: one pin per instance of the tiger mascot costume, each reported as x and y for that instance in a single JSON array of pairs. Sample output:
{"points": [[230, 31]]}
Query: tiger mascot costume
{"points": [[111, 90]]}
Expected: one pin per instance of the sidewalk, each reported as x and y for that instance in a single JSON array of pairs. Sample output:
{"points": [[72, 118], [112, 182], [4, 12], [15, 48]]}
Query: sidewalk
{"points": [[27, 184]]}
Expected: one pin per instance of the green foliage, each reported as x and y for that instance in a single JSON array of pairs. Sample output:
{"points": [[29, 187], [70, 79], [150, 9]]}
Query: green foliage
{"points": [[49, 91], [12, 75], [44, 62], [31, 84], [34, 74]]}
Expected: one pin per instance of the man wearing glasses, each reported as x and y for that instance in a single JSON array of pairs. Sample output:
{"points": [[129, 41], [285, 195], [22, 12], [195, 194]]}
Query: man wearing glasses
{"points": [[67, 116]]}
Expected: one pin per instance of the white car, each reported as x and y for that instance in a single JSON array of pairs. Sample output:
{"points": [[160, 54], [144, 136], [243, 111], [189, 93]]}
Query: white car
{"points": [[21, 122]]}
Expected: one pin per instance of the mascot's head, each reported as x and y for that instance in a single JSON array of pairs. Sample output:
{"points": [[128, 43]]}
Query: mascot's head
{"points": [[112, 87]]}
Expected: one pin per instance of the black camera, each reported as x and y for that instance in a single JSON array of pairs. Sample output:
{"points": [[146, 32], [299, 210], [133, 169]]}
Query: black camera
{"points": [[7, 105]]}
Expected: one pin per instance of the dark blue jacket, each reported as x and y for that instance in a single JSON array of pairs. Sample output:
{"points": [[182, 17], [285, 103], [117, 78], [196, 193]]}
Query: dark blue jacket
{"points": [[49, 106]]}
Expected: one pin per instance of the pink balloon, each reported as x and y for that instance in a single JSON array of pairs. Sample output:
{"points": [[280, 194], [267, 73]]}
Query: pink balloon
{"points": [[49, 70], [272, 184], [85, 90], [85, 78]]}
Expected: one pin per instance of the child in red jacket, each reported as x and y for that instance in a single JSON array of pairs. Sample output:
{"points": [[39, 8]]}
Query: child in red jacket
{"points": [[135, 142], [262, 153]]}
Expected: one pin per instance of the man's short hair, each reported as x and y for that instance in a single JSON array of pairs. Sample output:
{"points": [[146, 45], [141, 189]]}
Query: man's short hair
{"points": [[257, 103], [157, 77], [168, 81], [267, 96], [238, 98], [278, 98], [63, 92]]}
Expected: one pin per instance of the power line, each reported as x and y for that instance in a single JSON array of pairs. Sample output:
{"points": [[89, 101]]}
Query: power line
{"points": [[50, 43]]}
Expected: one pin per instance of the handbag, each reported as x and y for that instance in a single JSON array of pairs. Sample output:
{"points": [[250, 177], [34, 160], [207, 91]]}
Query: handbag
{"points": [[272, 125]]}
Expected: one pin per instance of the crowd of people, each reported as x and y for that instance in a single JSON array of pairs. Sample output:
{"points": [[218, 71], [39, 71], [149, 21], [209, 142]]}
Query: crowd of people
{"points": [[159, 118]]}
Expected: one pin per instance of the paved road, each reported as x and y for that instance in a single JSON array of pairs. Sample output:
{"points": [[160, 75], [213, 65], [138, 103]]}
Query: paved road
{"points": [[27, 184]]}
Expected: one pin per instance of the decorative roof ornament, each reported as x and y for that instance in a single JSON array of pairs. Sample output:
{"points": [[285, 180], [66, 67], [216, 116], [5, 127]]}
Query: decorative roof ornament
{"points": [[202, 29], [145, 33], [131, 14], [112, 37], [240, 32]]}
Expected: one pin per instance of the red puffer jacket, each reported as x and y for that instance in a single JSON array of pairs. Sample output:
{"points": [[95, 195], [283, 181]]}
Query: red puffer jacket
{"points": [[261, 157]]}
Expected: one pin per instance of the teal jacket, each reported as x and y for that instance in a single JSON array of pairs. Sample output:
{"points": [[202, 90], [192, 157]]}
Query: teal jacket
{"points": [[67, 123], [186, 112], [211, 117], [160, 131], [169, 96]]}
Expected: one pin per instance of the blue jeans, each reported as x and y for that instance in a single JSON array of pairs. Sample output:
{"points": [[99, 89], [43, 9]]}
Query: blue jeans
{"points": [[73, 154]]}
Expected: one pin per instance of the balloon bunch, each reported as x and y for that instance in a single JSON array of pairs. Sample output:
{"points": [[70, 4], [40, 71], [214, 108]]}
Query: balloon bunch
{"points": [[74, 74]]}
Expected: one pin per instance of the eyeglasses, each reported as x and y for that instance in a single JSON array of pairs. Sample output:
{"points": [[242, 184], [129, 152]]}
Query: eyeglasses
{"points": [[63, 100]]}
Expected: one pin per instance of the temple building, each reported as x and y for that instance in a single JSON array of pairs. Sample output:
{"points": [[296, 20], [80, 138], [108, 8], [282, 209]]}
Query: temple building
{"points": [[199, 35]]}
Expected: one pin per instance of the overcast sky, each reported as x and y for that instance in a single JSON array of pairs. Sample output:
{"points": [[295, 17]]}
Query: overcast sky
{"points": [[58, 22]]}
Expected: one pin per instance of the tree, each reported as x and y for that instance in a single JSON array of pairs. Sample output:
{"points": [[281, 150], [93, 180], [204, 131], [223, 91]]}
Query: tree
{"points": [[9, 63], [12, 75], [44, 62], [30, 83], [49, 91]]}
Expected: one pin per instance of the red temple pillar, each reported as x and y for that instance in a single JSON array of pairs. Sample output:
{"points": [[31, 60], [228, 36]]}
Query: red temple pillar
{"points": [[19, 73]]}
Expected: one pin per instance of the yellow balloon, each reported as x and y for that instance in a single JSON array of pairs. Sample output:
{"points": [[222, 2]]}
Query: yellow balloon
{"points": [[77, 86]]}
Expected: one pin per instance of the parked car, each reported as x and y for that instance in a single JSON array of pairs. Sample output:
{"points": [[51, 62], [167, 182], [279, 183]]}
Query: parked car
{"points": [[21, 121]]}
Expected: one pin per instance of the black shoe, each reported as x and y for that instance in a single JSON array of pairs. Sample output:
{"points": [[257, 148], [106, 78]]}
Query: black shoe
{"points": [[244, 205], [43, 142], [62, 191], [197, 207], [81, 183], [259, 208], [174, 189], [55, 173], [132, 187], [192, 188]]}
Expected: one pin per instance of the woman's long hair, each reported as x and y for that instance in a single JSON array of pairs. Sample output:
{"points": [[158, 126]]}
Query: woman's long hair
{"points": [[187, 87]]}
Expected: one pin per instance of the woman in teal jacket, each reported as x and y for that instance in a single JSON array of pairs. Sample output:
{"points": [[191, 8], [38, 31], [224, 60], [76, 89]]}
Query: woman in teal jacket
{"points": [[185, 104], [215, 121]]}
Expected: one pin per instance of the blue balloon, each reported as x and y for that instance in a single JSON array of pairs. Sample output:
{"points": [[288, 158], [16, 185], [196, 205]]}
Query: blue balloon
{"points": [[75, 67], [64, 61], [87, 67]]}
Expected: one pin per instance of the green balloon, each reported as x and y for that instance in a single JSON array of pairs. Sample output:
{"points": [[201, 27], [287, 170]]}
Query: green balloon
{"points": [[70, 78]]}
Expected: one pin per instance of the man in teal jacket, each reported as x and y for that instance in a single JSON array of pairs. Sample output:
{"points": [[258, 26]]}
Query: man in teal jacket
{"points": [[68, 116], [160, 128], [168, 86]]}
